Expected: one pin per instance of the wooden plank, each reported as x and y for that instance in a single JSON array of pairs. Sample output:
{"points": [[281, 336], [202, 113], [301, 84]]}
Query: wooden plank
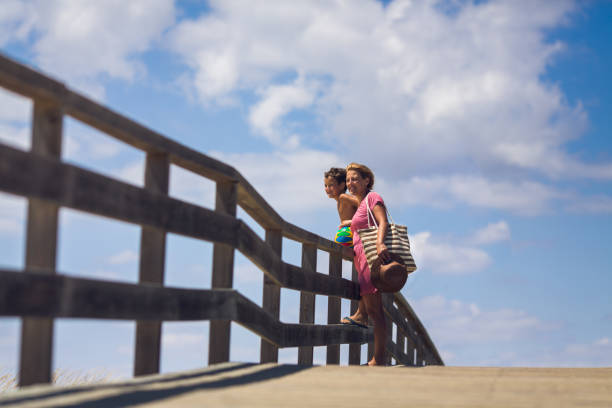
{"points": [[222, 275], [151, 269], [307, 301], [405, 308], [291, 276], [70, 186], [25, 81], [400, 340], [28, 82], [354, 357], [334, 307], [271, 297], [239, 385], [255, 205], [35, 364], [67, 185], [39, 295], [387, 300]]}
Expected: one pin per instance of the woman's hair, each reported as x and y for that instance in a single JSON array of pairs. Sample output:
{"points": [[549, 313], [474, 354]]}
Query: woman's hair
{"points": [[337, 174], [364, 171]]}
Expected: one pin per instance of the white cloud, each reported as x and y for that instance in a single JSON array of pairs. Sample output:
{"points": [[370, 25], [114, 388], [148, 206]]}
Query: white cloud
{"points": [[79, 40], [276, 102], [431, 87], [493, 232], [447, 258], [453, 323], [286, 180], [123, 257], [440, 94], [522, 197]]}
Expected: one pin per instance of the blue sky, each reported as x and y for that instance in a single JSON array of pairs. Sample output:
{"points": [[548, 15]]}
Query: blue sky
{"points": [[486, 123]]}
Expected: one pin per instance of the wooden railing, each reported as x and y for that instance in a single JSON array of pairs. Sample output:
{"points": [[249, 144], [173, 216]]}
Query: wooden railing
{"points": [[38, 294]]}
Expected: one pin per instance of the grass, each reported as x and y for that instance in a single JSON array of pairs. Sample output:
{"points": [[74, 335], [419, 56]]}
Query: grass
{"points": [[62, 377]]}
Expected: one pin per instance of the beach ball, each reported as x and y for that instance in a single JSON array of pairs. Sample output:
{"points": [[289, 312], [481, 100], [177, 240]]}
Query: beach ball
{"points": [[344, 237]]}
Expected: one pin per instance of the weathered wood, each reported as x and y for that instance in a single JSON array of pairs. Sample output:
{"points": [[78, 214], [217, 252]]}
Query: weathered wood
{"points": [[400, 340], [240, 385], [394, 351], [271, 297], [39, 295], [406, 310], [291, 276], [255, 205], [334, 307], [307, 301], [69, 186], [354, 357], [151, 269], [387, 300], [222, 275], [49, 184], [25, 81], [41, 248]]}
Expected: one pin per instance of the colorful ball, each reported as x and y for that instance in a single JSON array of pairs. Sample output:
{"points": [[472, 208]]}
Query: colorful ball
{"points": [[344, 237]]}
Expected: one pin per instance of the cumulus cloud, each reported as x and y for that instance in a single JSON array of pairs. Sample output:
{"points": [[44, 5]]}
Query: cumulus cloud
{"points": [[494, 232], [454, 323], [447, 258], [286, 179], [277, 101], [80, 40], [433, 87]]}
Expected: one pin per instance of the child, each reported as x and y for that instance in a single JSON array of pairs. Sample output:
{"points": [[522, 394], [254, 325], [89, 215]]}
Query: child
{"points": [[335, 187]]}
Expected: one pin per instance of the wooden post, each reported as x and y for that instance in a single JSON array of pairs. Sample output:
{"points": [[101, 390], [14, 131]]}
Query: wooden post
{"points": [[222, 275], [387, 300], [271, 298], [152, 262], [334, 307], [354, 349], [41, 249], [307, 301], [400, 339], [411, 352]]}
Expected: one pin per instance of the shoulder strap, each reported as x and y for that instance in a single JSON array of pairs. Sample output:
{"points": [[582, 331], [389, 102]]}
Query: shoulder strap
{"points": [[370, 213]]}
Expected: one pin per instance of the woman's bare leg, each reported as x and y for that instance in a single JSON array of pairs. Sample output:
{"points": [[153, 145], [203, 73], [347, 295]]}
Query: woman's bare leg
{"points": [[361, 314], [373, 305]]}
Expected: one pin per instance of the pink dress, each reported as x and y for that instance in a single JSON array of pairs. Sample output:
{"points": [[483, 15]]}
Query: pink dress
{"points": [[360, 221]]}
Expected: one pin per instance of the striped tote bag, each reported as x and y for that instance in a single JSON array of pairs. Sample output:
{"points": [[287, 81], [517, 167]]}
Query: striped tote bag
{"points": [[396, 240]]}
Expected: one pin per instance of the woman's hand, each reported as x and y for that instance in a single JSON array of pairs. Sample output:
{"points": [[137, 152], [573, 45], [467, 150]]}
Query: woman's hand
{"points": [[345, 223], [383, 252], [381, 218]]}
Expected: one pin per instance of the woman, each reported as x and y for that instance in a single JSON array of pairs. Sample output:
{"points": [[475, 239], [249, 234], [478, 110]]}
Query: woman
{"points": [[359, 181]]}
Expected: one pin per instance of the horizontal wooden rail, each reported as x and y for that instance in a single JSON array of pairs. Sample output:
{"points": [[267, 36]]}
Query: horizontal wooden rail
{"points": [[35, 294], [30, 83], [39, 295], [417, 326], [31, 175]]}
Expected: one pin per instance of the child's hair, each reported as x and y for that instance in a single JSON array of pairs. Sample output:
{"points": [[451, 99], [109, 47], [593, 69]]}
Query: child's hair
{"points": [[337, 174]]}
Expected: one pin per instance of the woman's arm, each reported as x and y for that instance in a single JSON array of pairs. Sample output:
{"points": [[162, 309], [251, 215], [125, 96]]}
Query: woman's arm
{"points": [[381, 219]]}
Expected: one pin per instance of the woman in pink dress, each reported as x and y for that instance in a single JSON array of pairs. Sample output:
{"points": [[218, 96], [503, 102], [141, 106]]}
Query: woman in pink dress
{"points": [[359, 181]]}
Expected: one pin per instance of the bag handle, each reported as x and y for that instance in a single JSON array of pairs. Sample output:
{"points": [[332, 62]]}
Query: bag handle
{"points": [[370, 213]]}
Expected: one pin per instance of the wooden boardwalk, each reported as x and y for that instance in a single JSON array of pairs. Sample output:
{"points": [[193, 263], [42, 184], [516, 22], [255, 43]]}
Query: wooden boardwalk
{"points": [[273, 385]]}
